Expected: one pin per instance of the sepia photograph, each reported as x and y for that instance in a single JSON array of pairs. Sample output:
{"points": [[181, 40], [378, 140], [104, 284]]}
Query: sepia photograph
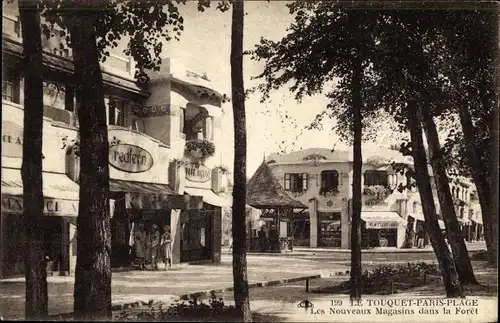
{"points": [[250, 161]]}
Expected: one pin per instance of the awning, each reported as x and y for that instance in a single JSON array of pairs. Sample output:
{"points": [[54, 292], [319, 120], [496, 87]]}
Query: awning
{"points": [[381, 220], [420, 217], [417, 216], [60, 194], [208, 195], [212, 110], [152, 196], [479, 220]]}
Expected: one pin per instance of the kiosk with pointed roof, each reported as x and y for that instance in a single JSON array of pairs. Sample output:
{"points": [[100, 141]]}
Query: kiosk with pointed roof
{"points": [[266, 194]]}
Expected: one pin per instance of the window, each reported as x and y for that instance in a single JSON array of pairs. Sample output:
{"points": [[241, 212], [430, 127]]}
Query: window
{"points": [[296, 182], [376, 177], [115, 111], [329, 180], [8, 91], [415, 208], [181, 120]]}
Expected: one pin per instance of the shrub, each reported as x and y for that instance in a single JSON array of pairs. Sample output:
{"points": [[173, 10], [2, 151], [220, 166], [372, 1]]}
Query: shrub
{"points": [[194, 310]]}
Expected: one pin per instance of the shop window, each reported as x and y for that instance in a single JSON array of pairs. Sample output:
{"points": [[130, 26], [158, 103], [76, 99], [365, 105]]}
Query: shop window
{"points": [[329, 180], [296, 182], [115, 111], [376, 177]]}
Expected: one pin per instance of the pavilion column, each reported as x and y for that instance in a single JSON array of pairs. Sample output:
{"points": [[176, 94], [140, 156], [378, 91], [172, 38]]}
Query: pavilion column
{"points": [[313, 221]]}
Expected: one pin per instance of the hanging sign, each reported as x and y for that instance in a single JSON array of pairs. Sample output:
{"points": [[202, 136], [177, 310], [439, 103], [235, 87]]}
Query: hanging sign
{"points": [[200, 174], [12, 140], [130, 158]]}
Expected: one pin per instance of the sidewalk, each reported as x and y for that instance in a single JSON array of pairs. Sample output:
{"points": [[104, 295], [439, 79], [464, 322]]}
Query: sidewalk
{"points": [[138, 287], [304, 251]]}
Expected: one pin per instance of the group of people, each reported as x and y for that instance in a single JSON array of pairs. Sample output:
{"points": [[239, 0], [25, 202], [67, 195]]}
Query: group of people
{"points": [[148, 247]]}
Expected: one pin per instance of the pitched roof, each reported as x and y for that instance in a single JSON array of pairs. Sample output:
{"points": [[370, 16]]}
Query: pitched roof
{"points": [[263, 190]]}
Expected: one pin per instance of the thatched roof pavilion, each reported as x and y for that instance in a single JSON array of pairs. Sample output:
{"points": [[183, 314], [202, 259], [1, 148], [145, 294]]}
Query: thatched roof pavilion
{"points": [[265, 192]]}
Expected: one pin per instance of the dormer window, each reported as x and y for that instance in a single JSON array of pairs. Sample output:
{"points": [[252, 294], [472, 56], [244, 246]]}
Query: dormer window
{"points": [[376, 177], [295, 182]]}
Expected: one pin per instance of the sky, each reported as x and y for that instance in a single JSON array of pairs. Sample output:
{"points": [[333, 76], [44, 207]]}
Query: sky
{"points": [[205, 46]]}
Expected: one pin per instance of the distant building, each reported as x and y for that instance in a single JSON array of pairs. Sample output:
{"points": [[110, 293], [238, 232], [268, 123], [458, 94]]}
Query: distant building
{"points": [[322, 179]]}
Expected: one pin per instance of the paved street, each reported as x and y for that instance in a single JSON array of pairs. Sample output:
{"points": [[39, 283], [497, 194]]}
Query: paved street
{"points": [[160, 285], [133, 286]]}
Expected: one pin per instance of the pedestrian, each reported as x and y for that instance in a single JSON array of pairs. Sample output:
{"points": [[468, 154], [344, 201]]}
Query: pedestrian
{"points": [[140, 245], [262, 239], [155, 246], [274, 239], [420, 238], [166, 244]]}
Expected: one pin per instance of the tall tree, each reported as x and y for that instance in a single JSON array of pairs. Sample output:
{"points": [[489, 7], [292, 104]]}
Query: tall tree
{"points": [[404, 80], [240, 278], [428, 83], [91, 30], [326, 43], [35, 266], [93, 265], [450, 277], [471, 56]]}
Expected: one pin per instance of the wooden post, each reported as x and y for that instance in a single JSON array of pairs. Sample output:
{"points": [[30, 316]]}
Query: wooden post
{"points": [[307, 285]]}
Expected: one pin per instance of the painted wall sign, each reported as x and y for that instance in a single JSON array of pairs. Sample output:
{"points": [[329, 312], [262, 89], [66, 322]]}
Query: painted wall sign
{"points": [[376, 202], [12, 140], [153, 110], [14, 204], [130, 158], [382, 225], [199, 174]]}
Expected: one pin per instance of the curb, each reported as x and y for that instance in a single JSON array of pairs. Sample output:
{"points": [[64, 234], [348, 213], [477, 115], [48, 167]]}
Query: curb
{"points": [[184, 297]]}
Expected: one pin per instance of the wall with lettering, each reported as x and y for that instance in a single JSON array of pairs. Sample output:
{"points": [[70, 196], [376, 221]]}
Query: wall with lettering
{"points": [[199, 177], [137, 157], [54, 136]]}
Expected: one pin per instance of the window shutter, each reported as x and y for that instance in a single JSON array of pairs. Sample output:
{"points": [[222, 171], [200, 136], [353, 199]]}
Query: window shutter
{"points": [[287, 182], [304, 181], [339, 179]]}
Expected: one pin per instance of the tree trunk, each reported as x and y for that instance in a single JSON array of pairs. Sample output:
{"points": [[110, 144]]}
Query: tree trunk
{"points": [[356, 283], [453, 231], [92, 292], [240, 278], [443, 255], [480, 175], [493, 164], [36, 307]]}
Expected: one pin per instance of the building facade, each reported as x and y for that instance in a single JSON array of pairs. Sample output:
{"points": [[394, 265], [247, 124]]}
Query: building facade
{"points": [[155, 133], [322, 179]]}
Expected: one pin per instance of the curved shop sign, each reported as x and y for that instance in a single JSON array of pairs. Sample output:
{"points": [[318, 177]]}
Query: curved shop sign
{"points": [[12, 140], [130, 158], [199, 174]]}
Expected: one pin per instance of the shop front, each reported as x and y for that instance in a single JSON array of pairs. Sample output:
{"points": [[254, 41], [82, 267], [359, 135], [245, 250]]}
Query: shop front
{"points": [[382, 229], [329, 229], [60, 210], [382, 224]]}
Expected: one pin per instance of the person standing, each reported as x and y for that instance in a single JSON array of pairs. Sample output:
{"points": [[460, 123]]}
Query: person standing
{"points": [[166, 246], [140, 245], [420, 238], [155, 246]]}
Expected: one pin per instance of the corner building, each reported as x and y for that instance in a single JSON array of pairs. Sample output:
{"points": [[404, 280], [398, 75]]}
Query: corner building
{"points": [[149, 127], [322, 180]]}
